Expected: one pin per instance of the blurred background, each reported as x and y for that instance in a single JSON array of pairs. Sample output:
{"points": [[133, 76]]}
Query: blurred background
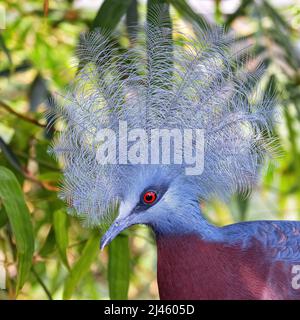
{"points": [[47, 254]]}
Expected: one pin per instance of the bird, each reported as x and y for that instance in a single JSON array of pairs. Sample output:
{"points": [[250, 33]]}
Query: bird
{"points": [[195, 81]]}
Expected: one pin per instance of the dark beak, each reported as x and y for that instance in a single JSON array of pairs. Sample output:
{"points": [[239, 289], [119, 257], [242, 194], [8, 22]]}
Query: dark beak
{"points": [[117, 227]]}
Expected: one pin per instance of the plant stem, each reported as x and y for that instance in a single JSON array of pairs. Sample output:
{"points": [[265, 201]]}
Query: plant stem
{"points": [[40, 281], [21, 116]]}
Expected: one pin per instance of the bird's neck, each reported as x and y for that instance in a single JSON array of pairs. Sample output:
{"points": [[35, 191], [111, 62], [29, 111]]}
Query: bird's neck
{"points": [[185, 225]]}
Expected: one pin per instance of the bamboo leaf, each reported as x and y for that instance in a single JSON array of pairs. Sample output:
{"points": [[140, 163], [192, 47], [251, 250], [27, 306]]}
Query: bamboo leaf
{"points": [[82, 266], [292, 134], [19, 217], [218, 12], [188, 13], [132, 19], [38, 92], [10, 156], [60, 225], [276, 17], [242, 204], [49, 244], [291, 56], [5, 49], [110, 14], [24, 66], [119, 268], [3, 216]]}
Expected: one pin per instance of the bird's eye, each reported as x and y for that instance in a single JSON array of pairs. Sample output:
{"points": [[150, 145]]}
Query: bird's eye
{"points": [[149, 197]]}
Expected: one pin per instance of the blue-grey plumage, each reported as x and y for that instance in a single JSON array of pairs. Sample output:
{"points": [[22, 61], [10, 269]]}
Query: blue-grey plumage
{"points": [[207, 89], [282, 238]]}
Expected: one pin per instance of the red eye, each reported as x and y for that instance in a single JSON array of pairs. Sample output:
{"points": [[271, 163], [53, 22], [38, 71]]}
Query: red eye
{"points": [[149, 197]]}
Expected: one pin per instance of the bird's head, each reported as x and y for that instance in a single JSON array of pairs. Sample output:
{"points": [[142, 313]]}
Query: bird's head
{"points": [[202, 88], [159, 201]]}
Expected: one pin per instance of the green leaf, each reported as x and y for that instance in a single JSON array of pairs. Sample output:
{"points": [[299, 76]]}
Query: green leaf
{"points": [[119, 268], [49, 244], [38, 92], [3, 217], [50, 176], [5, 49], [132, 19], [24, 66], [218, 12], [110, 14], [10, 156], [242, 204], [292, 135], [60, 225], [286, 44], [82, 266], [188, 13], [19, 217], [276, 16]]}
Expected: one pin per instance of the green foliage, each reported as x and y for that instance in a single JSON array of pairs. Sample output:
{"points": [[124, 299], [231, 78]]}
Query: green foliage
{"points": [[187, 12], [110, 14], [119, 268], [83, 264], [3, 217], [5, 49], [60, 226], [19, 217], [47, 253]]}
